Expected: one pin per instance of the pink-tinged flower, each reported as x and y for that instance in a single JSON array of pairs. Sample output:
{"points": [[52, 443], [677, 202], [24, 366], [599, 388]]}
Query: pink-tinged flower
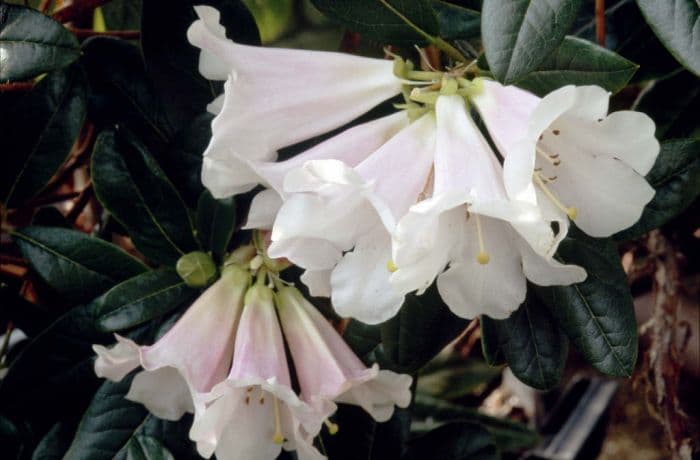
{"points": [[254, 412], [277, 97], [336, 220], [192, 357], [490, 243], [328, 370], [566, 150]]}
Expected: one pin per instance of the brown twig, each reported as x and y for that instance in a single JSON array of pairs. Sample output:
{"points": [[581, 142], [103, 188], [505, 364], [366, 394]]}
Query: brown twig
{"points": [[45, 5], [125, 34], [80, 153], [600, 22], [76, 10], [43, 200], [663, 359], [80, 202], [16, 86]]}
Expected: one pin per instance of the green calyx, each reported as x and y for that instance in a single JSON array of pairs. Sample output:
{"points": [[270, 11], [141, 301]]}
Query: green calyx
{"points": [[197, 269]]}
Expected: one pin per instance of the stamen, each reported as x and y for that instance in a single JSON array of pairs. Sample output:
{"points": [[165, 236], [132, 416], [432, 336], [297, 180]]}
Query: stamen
{"points": [[261, 398], [277, 437], [256, 262], [570, 211], [482, 257], [332, 427], [553, 158], [391, 266]]}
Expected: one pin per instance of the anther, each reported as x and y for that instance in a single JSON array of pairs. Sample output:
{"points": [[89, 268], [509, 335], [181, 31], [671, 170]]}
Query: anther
{"points": [[556, 132], [551, 158], [247, 400], [482, 257], [332, 427], [391, 266]]}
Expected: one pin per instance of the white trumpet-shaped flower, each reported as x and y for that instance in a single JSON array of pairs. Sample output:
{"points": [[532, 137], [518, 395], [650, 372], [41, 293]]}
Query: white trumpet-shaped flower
{"points": [[490, 242], [336, 220], [192, 357], [277, 97], [565, 149], [328, 370], [254, 412]]}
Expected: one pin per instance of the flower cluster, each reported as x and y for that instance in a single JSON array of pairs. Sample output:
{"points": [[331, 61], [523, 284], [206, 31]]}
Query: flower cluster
{"points": [[225, 361], [387, 207]]}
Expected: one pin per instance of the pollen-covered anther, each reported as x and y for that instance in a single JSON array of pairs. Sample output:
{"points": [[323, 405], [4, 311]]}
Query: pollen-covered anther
{"points": [[332, 427]]}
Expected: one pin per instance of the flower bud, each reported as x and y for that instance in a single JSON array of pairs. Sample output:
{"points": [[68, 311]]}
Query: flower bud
{"points": [[196, 268]]}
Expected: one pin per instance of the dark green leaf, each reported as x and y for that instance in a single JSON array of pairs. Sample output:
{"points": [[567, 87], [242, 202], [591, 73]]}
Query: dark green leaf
{"points": [[579, 62], [32, 43], [38, 131], [490, 346], [133, 187], [673, 103], [183, 161], [518, 35], [375, 21], [597, 314], [53, 377], [147, 448], [361, 437], [456, 378], [216, 221], [362, 338], [457, 22], [509, 436], [54, 444], [78, 266], [676, 23], [10, 439], [454, 441], [141, 299], [422, 328], [122, 14], [122, 92], [112, 422], [531, 343], [173, 62], [676, 178]]}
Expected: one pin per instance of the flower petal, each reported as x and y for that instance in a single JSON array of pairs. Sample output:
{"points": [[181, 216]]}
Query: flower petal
{"points": [[546, 271], [495, 289], [163, 392], [360, 286], [200, 344], [263, 210], [114, 363], [379, 396], [318, 282]]}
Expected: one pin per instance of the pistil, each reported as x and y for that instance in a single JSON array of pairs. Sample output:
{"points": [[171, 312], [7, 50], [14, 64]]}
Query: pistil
{"points": [[277, 437], [332, 427], [483, 257]]}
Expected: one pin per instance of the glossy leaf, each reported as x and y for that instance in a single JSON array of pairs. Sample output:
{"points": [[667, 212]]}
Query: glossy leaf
{"points": [[362, 338], [38, 131], [673, 104], [173, 62], [677, 24], [518, 35], [216, 221], [422, 328], [122, 92], [32, 43], [598, 314], [579, 62], [676, 178], [375, 21], [454, 441], [140, 299], [132, 186], [508, 435], [147, 448], [112, 425], [531, 343], [122, 14], [54, 444], [183, 161], [76, 265], [457, 22]]}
